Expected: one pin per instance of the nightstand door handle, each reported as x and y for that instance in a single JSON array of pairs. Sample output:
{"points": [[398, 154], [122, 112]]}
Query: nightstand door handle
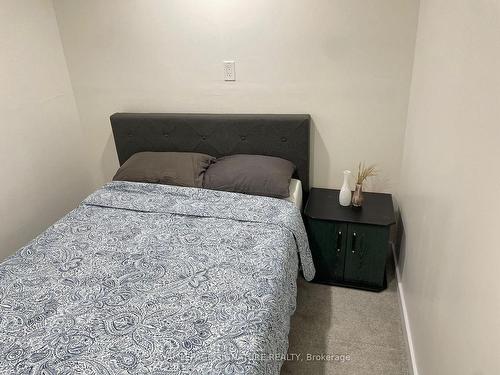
{"points": [[353, 245], [339, 241]]}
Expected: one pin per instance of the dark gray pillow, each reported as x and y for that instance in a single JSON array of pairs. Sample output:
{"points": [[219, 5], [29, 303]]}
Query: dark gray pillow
{"points": [[169, 168], [250, 174]]}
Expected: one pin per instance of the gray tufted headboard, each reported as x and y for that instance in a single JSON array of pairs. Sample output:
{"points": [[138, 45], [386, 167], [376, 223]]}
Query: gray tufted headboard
{"points": [[285, 136]]}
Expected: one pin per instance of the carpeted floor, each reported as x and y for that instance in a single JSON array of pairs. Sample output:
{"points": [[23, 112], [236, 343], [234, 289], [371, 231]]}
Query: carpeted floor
{"points": [[343, 322]]}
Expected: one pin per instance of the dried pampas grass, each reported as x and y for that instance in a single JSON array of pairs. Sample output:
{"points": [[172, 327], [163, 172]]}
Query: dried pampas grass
{"points": [[365, 171]]}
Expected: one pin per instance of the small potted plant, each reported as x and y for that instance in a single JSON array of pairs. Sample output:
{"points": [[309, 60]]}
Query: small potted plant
{"points": [[363, 173]]}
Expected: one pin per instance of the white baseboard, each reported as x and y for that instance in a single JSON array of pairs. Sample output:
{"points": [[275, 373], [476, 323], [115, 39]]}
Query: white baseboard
{"points": [[404, 316]]}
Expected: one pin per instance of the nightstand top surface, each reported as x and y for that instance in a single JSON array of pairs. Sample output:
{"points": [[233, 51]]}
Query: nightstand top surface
{"points": [[323, 204]]}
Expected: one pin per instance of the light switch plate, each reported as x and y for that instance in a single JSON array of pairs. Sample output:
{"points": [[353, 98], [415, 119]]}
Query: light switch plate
{"points": [[229, 73]]}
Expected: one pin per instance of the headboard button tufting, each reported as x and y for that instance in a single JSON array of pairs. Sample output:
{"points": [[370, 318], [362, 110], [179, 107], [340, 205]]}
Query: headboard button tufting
{"points": [[284, 135]]}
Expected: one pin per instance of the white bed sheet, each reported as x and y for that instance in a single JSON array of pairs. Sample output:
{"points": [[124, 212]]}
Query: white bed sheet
{"points": [[295, 193]]}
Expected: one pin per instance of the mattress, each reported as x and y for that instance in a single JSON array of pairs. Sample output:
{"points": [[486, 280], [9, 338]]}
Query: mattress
{"points": [[295, 189], [146, 278]]}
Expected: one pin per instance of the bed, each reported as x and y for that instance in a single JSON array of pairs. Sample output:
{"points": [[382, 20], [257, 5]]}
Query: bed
{"points": [[157, 279]]}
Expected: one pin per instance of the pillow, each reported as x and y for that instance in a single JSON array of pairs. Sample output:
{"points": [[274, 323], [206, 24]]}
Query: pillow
{"points": [[169, 168], [250, 174]]}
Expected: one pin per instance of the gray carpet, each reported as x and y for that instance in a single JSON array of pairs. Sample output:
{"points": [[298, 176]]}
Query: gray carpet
{"points": [[341, 321]]}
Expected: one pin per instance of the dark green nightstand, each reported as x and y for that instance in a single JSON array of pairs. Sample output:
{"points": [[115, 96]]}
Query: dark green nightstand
{"points": [[349, 246]]}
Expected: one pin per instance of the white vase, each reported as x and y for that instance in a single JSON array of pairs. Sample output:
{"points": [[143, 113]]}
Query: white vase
{"points": [[345, 192]]}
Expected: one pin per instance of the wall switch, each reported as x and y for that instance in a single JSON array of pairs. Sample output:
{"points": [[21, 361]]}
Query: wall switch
{"points": [[229, 73]]}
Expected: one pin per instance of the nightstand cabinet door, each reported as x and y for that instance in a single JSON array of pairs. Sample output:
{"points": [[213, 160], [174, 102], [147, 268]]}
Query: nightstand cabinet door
{"points": [[328, 241], [366, 254]]}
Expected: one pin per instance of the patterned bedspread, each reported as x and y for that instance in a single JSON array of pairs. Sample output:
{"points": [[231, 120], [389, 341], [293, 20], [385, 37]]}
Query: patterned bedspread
{"points": [[154, 279]]}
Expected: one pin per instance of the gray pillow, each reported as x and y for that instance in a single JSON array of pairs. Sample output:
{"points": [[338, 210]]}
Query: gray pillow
{"points": [[169, 168], [250, 174]]}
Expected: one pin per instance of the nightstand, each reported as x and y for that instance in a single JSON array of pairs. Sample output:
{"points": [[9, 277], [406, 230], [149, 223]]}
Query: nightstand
{"points": [[349, 246]]}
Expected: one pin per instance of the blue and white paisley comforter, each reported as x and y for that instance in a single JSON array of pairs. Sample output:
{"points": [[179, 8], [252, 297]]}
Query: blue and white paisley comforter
{"points": [[153, 279]]}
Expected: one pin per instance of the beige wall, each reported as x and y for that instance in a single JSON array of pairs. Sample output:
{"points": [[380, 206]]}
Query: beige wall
{"points": [[450, 187], [42, 165], [347, 63]]}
